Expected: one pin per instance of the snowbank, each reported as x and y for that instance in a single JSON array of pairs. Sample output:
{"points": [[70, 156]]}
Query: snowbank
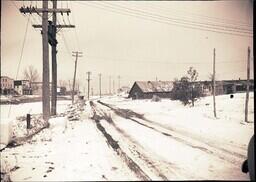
{"points": [[58, 125], [5, 131]]}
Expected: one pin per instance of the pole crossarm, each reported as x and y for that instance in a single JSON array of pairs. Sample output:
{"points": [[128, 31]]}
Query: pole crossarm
{"points": [[41, 10], [57, 26]]}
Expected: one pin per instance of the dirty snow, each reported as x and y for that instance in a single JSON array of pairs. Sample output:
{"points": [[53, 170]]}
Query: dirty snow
{"points": [[170, 141]]}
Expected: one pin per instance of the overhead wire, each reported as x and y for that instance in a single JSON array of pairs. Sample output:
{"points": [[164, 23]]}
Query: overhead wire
{"points": [[179, 20], [182, 21], [206, 17], [154, 19], [21, 56], [75, 30]]}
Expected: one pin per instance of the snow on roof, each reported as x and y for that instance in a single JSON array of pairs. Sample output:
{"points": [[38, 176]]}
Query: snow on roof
{"points": [[155, 86]]}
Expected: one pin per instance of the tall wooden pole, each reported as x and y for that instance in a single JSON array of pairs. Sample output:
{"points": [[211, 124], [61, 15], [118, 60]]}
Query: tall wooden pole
{"points": [[88, 79], [247, 85], [214, 103], [119, 83], [46, 90], [109, 85], [74, 79], [100, 83], [54, 63]]}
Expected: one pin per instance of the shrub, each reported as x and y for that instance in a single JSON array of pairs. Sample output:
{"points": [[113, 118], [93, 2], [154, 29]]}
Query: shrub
{"points": [[156, 98]]}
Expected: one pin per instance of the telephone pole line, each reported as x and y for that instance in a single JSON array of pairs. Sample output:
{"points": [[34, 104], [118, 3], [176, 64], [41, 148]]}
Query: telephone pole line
{"points": [[214, 104], [119, 83], [54, 62], [109, 85], [88, 79], [75, 54], [247, 85], [48, 36], [100, 83], [113, 86]]}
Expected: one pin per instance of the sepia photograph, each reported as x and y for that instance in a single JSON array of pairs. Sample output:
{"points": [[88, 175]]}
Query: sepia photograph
{"points": [[127, 90]]}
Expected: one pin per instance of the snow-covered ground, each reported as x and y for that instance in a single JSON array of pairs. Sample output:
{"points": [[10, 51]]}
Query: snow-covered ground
{"points": [[166, 140], [225, 137], [23, 109], [199, 120]]}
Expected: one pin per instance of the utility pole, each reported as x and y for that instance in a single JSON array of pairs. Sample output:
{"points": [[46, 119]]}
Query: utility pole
{"points": [[46, 89], [75, 54], [118, 83], [48, 36], [100, 83], [214, 104], [88, 79], [109, 85], [247, 85], [54, 62], [113, 86], [92, 91]]}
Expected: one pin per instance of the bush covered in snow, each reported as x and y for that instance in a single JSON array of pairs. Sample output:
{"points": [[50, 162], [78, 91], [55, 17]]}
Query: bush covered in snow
{"points": [[156, 98]]}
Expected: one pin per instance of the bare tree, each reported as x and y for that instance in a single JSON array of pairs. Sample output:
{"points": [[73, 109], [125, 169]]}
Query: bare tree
{"points": [[63, 83], [192, 75], [31, 74]]}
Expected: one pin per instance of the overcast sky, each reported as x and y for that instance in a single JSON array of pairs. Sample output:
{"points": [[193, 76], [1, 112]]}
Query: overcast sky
{"points": [[137, 40]]}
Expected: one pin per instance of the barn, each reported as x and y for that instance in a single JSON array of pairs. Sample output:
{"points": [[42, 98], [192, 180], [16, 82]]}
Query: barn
{"points": [[146, 89]]}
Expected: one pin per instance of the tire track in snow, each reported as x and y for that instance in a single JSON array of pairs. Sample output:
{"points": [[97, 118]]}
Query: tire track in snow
{"points": [[229, 156], [139, 152], [114, 144]]}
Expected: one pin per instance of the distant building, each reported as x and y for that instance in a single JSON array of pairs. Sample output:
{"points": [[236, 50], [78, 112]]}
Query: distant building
{"points": [[22, 87], [7, 85], [61, 90], [37, 88], [124, 89], [163, 89], [146, 89], [226, 86]]}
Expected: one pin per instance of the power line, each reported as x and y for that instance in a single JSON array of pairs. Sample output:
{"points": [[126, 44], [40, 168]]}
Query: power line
{"points": [[179, 20], [21, 55], [76, 35], [145, 17], [138, 61], [210, 19]]}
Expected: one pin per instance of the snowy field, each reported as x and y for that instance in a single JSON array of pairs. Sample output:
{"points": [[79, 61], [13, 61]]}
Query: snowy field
{"points": [[23, 109], [199, 120], [162, 140]]}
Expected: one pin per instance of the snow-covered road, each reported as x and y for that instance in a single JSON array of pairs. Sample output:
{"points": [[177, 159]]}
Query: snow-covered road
{"points": [[68, 150], [166, 154], [122, 139]]}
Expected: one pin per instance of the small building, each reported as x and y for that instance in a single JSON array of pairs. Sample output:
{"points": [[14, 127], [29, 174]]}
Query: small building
{"points": [[22, 87], [226, 86], [146, 89], [61, 90], [7, 85]]}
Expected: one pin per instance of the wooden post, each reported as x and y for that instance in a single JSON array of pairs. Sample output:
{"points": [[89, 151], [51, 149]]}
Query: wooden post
{"points": [[247, 85], [119, 83], [214, 103], [109, 85], [100, 83], [46, 90], [74, 79], [88, 79], [54, 63]]}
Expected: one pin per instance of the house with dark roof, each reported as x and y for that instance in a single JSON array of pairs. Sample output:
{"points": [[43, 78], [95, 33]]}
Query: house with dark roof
{"points": [[146, 89], [163, 89]]}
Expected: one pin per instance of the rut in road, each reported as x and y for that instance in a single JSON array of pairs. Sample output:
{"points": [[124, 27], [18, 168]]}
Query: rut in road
{"points": [[114, 144], [128, 114], [138, 151]]}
